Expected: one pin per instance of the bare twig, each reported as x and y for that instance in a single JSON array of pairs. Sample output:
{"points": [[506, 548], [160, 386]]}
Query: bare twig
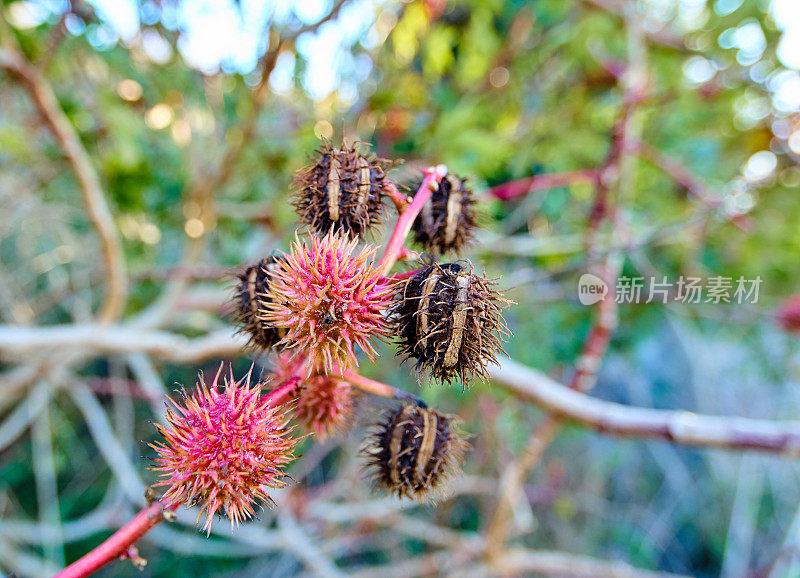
{"points": [[23, 415], [542, 182], [684, 177], [115, 339], [16, 64], [109, 446], [44, 468], [678, 426]]}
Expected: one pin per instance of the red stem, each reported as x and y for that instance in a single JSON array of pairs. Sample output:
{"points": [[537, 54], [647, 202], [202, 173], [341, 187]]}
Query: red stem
{"points": [[403, 275], [542, 182], [283, 392], [367, 384], [433, 176], [400, 200], [118, 544], [379, 388]]}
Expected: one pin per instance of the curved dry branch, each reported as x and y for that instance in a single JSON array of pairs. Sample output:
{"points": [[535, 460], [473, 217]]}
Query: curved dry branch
{"points": [[115, 339], [678, 426], [43, 97]]}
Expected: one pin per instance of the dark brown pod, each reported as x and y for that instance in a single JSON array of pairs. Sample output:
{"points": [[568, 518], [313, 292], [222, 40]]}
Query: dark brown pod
{"points": [[447, 221], [415, 451], [449, 320], [341, 190], [250, 292]]}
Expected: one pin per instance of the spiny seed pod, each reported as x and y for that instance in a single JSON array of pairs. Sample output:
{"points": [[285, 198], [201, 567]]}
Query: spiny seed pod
{"points": [[330, 302], [341, 190], [224, 447], [414, 453], [251, 290], [447, 221], [322, 404], [450, 321]]}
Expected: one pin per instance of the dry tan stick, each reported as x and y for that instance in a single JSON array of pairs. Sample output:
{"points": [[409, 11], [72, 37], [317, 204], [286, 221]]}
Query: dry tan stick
{"points": [[511, 485], [115, 339], [678, 426], [14, 62]]}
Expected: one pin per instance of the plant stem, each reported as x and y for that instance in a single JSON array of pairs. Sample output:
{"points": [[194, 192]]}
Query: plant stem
{"points": [[119, 542], [284, 391], [379, 388], [542, 182], [400, 200], [433, 175]]}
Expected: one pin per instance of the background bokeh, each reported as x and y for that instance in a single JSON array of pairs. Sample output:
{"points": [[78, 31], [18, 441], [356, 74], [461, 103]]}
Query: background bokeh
{"points": [[195, 147]]}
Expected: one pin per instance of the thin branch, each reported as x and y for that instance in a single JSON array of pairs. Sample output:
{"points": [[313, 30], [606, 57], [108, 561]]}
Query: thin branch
{"points": [[542, 182], [107, 443], [44, 470], [118, 544], [677, 426], [205, 185], [16, 64], [23, 415], [433, 175], [115, 339], [684, 177]]}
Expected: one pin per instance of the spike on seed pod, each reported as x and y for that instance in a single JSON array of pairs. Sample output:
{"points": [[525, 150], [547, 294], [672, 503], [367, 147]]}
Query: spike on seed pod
{"points": [[447, 221], [342, 190], [449, 320], [250, 293], [415, 452]]}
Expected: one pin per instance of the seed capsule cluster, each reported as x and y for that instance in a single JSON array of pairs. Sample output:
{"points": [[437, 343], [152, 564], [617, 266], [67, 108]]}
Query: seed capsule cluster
{"points": [[249, 294], [447, 221], [342, 191], [449, 320], [328, 301], [414, 452]]}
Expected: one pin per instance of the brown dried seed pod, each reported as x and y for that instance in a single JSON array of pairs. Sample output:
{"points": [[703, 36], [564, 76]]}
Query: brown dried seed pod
{"points": [[450, 321], [415, 451], [250, 293], [341, 190], [447, 221]]}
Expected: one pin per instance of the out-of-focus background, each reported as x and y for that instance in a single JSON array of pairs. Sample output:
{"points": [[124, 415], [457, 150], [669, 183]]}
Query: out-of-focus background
{"points": [[147, 147]]}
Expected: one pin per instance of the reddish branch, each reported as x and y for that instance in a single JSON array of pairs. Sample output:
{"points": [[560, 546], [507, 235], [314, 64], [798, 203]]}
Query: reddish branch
{"points": [[542, 182], [118, 544], [684, 177], [394, 247]]}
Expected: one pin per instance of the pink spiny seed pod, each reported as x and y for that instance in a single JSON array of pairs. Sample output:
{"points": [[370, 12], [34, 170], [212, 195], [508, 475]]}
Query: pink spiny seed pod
{"points": [[323, 404], [223, 448], [329, 302]]}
